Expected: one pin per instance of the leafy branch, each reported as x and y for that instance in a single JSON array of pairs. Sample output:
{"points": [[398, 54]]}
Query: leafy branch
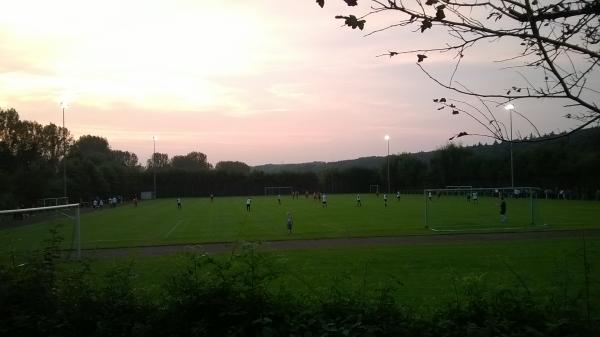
{"points": [[555, 46]]}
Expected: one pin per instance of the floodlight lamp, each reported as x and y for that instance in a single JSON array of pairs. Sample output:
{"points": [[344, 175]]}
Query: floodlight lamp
{"points": [[65, 100], [387, 137], [509, 107]]}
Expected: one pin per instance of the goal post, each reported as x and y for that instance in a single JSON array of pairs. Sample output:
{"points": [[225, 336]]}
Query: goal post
{"points": [[275, 190], [466, 208], [26, 225], [458, 189], [53, 201], [374, 189]]}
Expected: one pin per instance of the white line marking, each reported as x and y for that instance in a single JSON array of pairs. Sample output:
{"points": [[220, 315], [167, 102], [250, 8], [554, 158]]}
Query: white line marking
{"points": [[484, 229], [172, 229]]}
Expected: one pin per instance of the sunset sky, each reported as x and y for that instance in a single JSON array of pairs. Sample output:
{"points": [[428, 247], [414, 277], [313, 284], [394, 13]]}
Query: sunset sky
{"points": [[255, 81]]}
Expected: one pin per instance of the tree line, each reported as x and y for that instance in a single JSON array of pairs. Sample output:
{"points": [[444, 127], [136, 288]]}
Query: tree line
{"points": [[33, 157]]}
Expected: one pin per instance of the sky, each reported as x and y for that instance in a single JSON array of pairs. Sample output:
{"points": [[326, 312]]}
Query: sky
{"points": [[260, 81]]}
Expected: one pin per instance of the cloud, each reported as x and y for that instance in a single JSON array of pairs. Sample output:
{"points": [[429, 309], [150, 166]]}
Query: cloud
{"points": [[287, 90]]}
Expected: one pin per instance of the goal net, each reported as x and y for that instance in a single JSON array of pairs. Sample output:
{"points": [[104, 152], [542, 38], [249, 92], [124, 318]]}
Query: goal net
{"points": [[52, 201], [146, 195], [373, 188], [479, 209], [276, 190], [458, 190], [27, 229]]}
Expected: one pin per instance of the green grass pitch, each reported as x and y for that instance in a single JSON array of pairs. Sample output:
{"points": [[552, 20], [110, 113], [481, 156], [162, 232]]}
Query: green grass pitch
{"points": [[159, 222], [426, 275]]}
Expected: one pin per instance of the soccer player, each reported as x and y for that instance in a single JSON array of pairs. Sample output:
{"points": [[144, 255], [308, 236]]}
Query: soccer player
{"points": [[135, 201], [398, 195], [248, 202], [429, 195], [279, 199], [211, 197], [475, 198], [385, 199], [502, 210], [324, 200], [290, 222], [358, 203], [178, 203]]}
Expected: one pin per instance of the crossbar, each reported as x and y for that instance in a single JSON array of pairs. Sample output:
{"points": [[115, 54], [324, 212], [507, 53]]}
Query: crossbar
{"points": [[48, 208]]}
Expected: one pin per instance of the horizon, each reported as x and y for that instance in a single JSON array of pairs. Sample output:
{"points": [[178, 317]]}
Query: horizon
{"points": [[276, 84]]}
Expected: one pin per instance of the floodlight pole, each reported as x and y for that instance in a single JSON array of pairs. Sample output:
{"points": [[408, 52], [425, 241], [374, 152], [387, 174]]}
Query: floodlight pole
{"points": [[510, 108], [387, 138], [154, 163], [64, 151]]}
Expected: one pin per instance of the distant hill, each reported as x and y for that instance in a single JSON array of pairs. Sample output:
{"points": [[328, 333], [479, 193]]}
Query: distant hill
{"points": [[318, 166], [373, 162], [586, 139]]}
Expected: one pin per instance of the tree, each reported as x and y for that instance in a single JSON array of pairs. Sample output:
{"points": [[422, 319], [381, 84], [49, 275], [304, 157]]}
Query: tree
{"points": [[88, 145], [17, 135], [450, 166], [29, 155], [161, 160], [95, 170], [125, 158], [407, 171], [554, 46], [193, 161], [237, 167]]}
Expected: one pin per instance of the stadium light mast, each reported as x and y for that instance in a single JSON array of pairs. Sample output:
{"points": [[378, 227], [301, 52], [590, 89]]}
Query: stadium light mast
{"points": [[510, 108], [387, 139], [154, 163], [64, 137]]}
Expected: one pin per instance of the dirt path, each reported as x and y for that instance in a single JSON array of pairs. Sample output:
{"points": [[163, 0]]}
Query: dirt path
{"points": [[212, 248]]}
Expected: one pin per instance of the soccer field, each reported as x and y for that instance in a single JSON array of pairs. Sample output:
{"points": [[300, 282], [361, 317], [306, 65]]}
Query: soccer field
{"points": [[159, 222], [429, 274]]}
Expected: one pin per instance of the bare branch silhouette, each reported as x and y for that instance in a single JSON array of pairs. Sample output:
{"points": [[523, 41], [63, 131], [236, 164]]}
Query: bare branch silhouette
{"points": [[555, 46]]}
